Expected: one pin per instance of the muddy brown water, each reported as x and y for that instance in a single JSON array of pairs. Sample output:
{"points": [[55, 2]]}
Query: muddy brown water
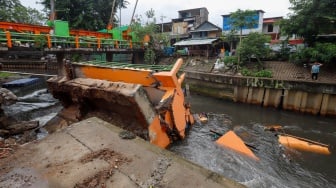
{"points": [[278, 166]]}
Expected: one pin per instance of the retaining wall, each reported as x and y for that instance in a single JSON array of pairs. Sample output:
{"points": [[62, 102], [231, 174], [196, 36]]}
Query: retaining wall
{"points": [[309, 97]]}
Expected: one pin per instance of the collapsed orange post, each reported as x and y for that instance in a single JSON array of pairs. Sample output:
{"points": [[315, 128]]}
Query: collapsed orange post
{"points": [[302, 145], [233, 142]]}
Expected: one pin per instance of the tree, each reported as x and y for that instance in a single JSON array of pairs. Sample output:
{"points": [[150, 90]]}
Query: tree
{"points": [[150, 15], [243, 19], [254, 46], [148, 29], [85, 14], [14, 11], [230, 37], [310, 18]]}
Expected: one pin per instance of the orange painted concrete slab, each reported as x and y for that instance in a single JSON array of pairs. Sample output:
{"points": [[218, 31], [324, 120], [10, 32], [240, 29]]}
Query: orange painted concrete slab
{"points": [[233, 142]]}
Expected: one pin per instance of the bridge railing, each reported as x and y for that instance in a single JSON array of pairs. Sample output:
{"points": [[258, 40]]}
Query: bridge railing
{"points": [[11, 39]]}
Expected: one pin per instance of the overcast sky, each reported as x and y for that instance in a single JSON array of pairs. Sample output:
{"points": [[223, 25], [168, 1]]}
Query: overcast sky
{"points": [[169, 8]]}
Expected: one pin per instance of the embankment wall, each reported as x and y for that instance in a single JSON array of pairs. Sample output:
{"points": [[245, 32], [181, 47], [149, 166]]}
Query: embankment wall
{"points": [[309, 97]]}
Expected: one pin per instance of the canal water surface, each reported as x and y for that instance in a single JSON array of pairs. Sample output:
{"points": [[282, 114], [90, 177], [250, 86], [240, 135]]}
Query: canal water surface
{"points": [[278, 166]]}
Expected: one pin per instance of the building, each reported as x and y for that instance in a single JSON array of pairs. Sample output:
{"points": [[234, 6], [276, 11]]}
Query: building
{"points": [[206, 30], [271, 27], [259, 15], [187, 21], [204, 41], [194, 17], [165, 27]]}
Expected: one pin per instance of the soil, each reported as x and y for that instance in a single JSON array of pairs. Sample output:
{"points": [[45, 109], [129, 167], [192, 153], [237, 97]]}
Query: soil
{"points": [[115, 160], [7, 147]]}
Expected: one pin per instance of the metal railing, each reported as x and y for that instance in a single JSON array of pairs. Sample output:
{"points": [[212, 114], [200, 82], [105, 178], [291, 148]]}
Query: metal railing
{"points": [[11, 39], [127, 65]]}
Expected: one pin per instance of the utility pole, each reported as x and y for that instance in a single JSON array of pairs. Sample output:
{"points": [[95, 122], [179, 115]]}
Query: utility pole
{"points": [[120, 3], [162, 17], [52, 10], [110, 23], [136, 4]]}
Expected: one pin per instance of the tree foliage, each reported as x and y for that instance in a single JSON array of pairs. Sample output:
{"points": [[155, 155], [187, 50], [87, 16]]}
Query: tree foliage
{"points": [[85, 14], [254, 46], [14, 11], [243, 19], [230, 37], [322, 52], [310, 18], [148, 29]]}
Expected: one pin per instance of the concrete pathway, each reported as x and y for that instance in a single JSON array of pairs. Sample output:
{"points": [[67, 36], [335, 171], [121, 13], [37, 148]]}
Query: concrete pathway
{"points": [[91, 153], [290, 71], [281, 70]]}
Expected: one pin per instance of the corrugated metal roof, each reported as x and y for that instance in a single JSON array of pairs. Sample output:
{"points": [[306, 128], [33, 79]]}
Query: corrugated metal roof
{"points": [[201, 30], [194, 42]]}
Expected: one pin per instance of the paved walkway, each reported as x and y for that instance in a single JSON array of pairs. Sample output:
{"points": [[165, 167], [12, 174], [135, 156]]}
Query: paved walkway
{"points": [[289, 71], [91, 153], [281, 70]]}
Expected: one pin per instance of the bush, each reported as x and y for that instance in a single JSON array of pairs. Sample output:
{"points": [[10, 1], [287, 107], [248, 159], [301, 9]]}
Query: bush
{"points": [[40, 41], [326, 52], [299, 58], [246, 72], [322, 52], [231, 60], [262, 73], [149, 56]]}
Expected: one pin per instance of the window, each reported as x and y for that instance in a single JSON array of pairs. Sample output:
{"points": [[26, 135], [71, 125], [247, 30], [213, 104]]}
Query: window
{"points": [[203, 34], [270, 28]]}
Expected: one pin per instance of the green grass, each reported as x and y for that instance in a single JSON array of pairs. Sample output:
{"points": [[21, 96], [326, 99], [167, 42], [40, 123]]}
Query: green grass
{"points": [[5, 74]]}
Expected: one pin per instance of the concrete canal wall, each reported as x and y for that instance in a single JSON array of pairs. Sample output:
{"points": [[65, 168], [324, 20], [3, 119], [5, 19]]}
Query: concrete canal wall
{"points": [[309, 97]]}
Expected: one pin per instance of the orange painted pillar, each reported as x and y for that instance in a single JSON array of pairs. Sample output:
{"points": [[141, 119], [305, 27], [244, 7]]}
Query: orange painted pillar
{"points": [[49, 41], [9, 39], [98, 42], [131, 45], [77, 41]]}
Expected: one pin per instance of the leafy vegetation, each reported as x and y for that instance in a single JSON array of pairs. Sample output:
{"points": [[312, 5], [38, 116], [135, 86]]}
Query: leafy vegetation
{"points": [[85, 14], [253, 46], [242, 19], [5, 74], [143, 31], [231, 60], [253, 73], [322, 52], [14, 11], [231, 38], [310, 18], [40, 41]]}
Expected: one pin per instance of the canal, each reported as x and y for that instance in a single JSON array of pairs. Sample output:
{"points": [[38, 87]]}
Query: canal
{"points": [[278, 166]]}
